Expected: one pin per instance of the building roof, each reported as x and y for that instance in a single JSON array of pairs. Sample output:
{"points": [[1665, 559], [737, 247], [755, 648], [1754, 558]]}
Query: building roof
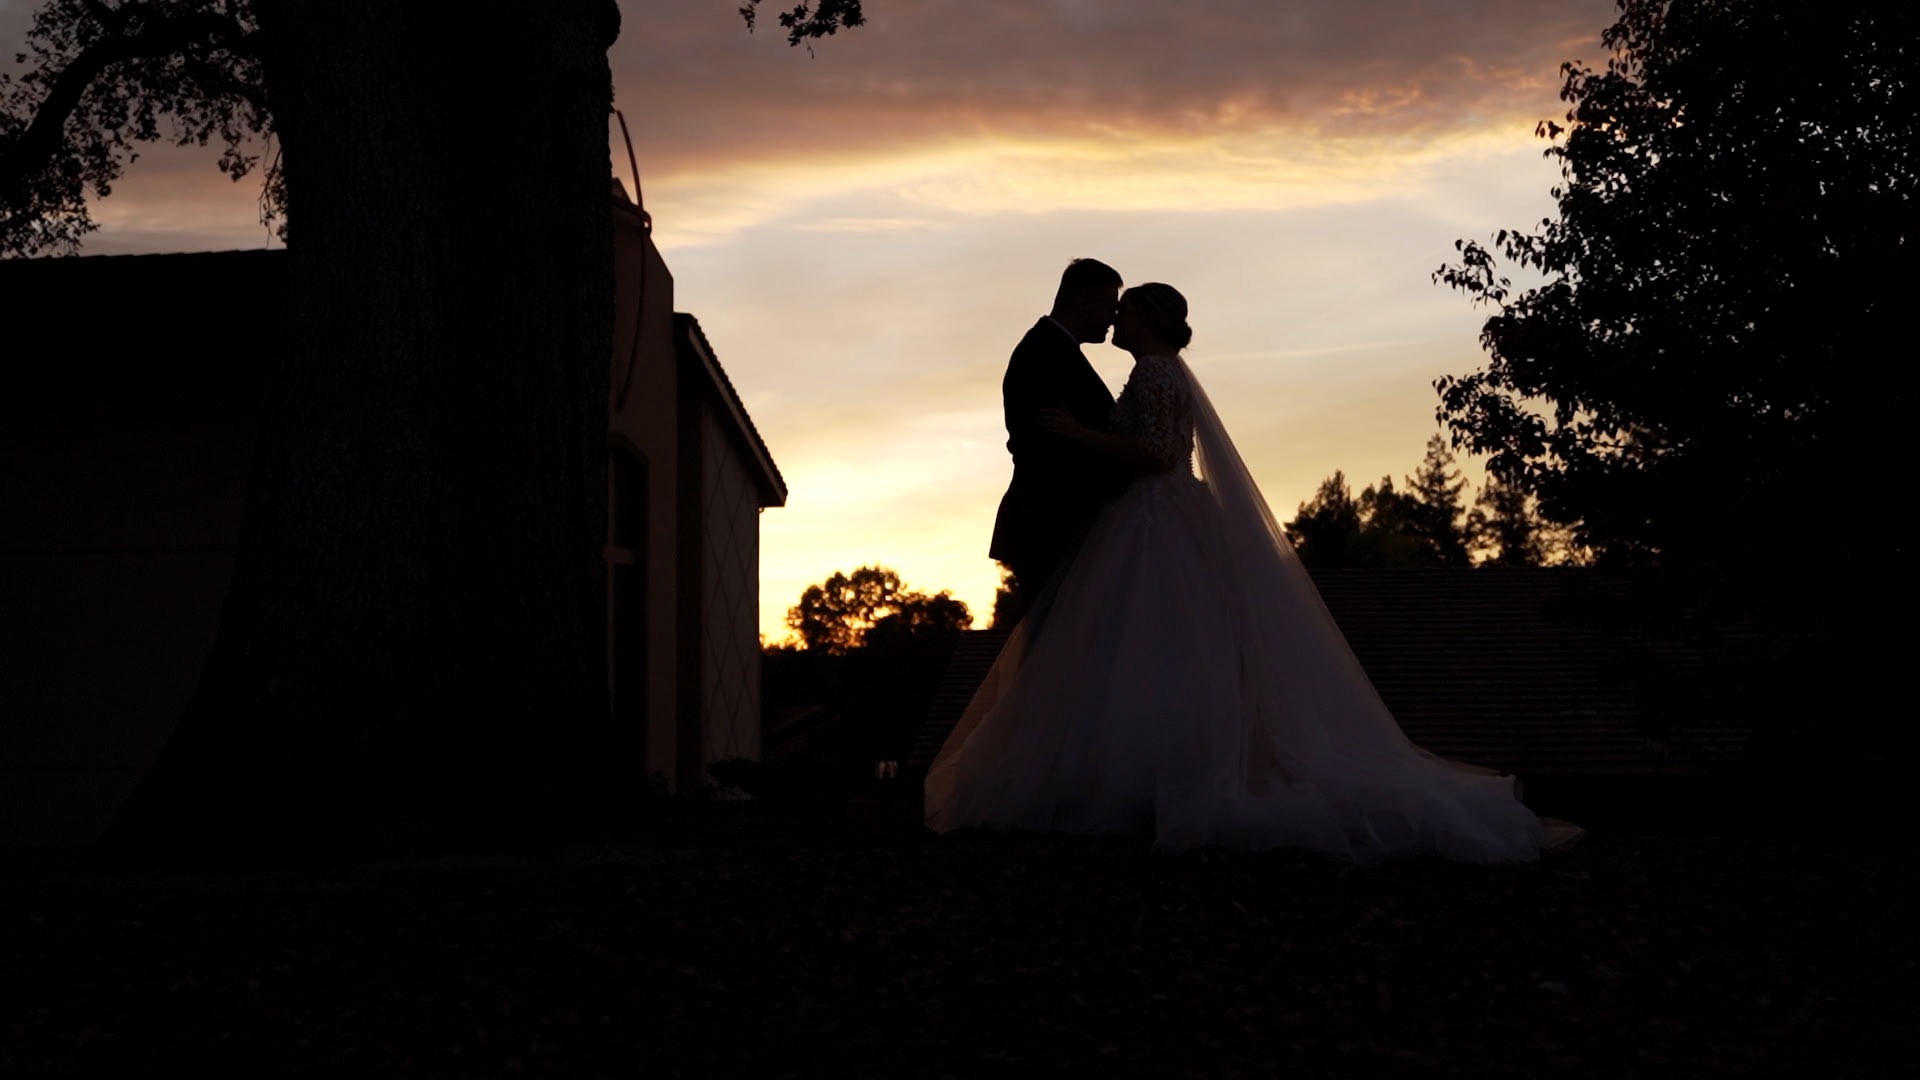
{"points": [[112, 310], [1528, 670], [697, 354], [1541, 670]]}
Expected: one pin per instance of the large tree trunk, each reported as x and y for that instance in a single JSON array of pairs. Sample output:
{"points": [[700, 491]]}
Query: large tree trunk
{"points": [[412, 649]]}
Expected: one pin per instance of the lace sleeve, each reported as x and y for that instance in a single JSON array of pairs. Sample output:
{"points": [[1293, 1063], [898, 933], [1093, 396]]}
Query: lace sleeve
{"points": [[1161, 419]]}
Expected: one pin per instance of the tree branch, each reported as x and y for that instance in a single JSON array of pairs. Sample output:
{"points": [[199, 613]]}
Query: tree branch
{"points": [[114, 19], [42, 139], [219, 78]]}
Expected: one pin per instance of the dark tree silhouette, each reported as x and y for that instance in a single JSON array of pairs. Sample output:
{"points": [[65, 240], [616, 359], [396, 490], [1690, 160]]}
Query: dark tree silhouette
{"points": [[872, 654], [1502, 527], [1731, 262], [850, 610], [1711, 364], [1433, 507], [833, 616], [103, 78], [811, 19], [1391, 528], [1004, 599], [1385, 526], [1423, 525], [1326, 528], [1506, 530], [412, 646], [919, 618]]}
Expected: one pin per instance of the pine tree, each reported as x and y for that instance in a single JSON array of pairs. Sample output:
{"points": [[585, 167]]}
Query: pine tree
{"points": [[1326, 529], [1434, 508]]}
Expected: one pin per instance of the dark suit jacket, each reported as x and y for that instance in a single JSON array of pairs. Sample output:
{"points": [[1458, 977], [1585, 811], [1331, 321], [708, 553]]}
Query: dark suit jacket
{"points": [[1058, 484]]}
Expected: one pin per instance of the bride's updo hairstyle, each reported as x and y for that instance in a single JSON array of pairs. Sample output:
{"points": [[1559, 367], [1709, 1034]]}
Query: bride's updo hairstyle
{"points": [[1164, 310]]}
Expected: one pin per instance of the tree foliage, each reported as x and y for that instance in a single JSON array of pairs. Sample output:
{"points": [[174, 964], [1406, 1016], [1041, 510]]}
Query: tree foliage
{"points": [[102, 78], [1426, 524], [1326, 528], [1390, 528], [1505, 529], [871, 655], [1005, 599], [918, 617], [398, 663], [870, 606], [1377, 528], [1433, 506], [810, 19], [1733, 251], [374, 680]]}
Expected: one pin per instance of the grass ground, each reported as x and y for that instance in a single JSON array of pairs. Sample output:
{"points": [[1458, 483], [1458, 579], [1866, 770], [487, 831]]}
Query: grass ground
{"points": [[753, 946]]}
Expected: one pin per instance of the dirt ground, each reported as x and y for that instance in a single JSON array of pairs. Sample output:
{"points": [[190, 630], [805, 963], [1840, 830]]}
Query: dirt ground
{"points": [[760, 947]]}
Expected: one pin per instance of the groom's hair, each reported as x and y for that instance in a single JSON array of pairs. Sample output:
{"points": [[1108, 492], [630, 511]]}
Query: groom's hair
{"points": [[1084, 274]]}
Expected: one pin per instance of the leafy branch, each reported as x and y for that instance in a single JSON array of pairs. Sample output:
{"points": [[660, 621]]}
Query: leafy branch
{"points": [[105, 77]]}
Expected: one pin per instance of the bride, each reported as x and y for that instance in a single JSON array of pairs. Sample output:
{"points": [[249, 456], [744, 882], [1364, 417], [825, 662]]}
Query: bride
{"points": [[1181, 678]]}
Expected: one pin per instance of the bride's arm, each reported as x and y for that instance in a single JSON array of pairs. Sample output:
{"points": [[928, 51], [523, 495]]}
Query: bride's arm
{"points": [[1131, 452], [1155, 393]]}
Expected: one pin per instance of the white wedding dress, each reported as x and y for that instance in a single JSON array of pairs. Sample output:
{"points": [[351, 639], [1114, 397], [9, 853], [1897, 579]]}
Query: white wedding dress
{"points": [[1180, 678]]}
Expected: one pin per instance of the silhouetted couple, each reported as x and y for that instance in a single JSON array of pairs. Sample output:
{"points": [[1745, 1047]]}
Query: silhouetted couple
{"points": [[1175, 673]]}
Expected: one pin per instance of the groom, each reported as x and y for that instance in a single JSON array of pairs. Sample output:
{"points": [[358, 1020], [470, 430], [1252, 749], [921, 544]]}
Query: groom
{"points": [[1057, 484]]}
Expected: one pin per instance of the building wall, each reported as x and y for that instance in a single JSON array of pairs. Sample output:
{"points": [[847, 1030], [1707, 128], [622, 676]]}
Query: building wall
{"points": [[121, 516], [699, 570], [643, 425], [730, 646], [123, 477]]}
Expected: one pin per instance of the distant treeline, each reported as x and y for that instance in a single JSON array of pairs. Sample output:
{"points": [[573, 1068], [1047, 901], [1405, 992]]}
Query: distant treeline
{"points": [[1428, 522], [866, 658]]}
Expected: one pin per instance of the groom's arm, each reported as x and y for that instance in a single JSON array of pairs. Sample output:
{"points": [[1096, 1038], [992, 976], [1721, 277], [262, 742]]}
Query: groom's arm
{"points": [[1024, 393], [1132, 454]]}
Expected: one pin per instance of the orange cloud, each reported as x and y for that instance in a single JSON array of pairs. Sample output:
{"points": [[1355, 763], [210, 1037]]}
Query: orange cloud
{"points": [[702, 93], [964, 108]]}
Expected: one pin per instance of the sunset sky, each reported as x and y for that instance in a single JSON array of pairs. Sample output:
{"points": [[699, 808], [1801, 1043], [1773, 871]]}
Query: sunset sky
{"points": [[865, 233]]}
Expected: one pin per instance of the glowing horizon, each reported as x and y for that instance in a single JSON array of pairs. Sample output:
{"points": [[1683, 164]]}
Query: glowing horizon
{"points": [[865, 234]]}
